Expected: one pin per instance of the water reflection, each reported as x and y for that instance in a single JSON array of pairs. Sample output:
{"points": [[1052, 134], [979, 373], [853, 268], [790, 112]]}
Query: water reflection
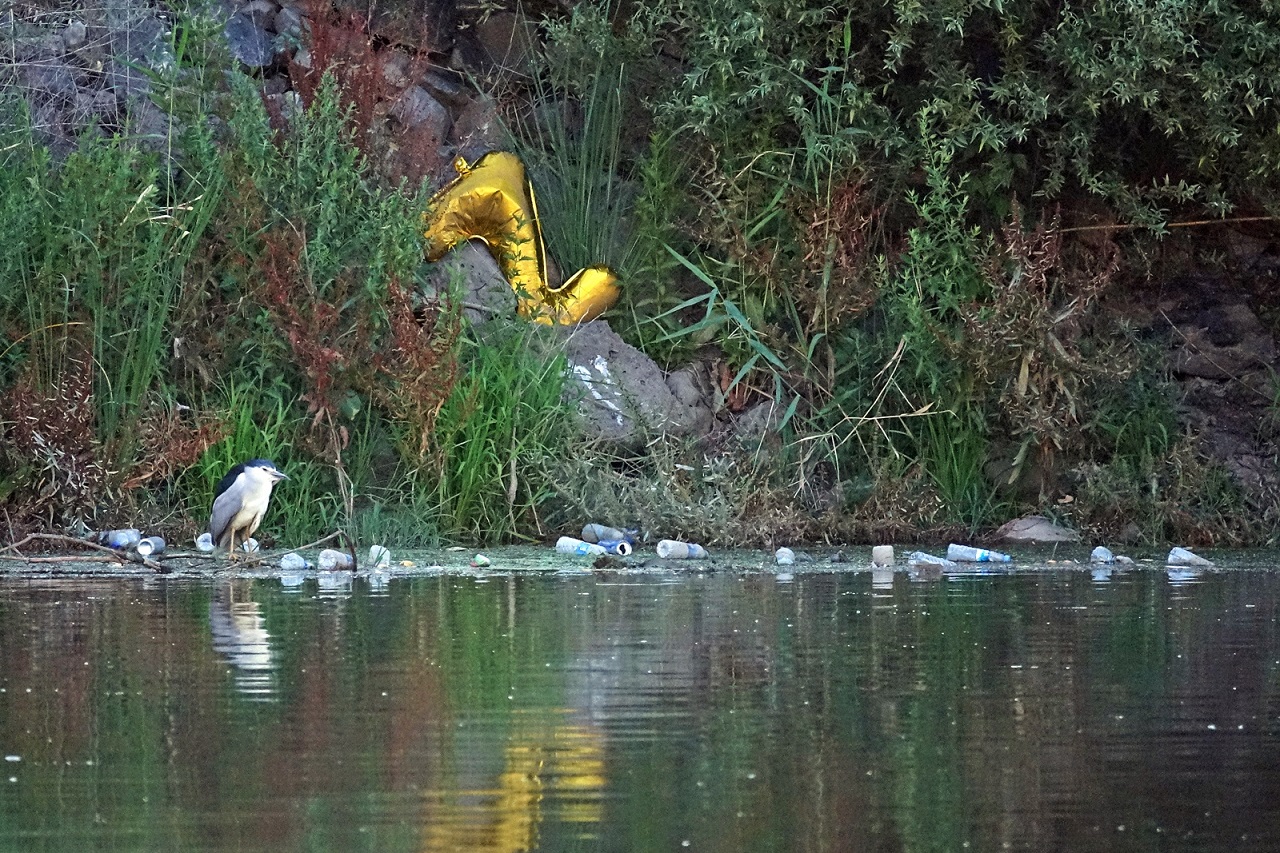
{"points": [[240, 636], [729, 711], [552, 770]]}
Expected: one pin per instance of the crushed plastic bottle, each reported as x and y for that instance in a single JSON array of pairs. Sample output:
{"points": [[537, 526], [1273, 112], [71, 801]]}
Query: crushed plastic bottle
{"points": [[672, 549], [784, 557], [969, 554], [250, 545], [120, 539], [330, 560], [569, 545], [204, 542], [150, 545], [1101, 555], [292, 562], [601, 533], [918, 559], [379, 557], [1185, 557]]}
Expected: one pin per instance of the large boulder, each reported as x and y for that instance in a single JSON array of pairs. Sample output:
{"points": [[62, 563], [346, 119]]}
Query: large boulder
{"points": [[623, 395]]}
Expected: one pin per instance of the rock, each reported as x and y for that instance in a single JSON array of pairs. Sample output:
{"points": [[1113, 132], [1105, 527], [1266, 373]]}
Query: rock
{"points": [[447, 88], [478, 130], [622, 393], [416, 107], [757, 425], [691, 386], [395, 69], [471, 271], [260, 12], [1035, 528], [249, 41], [289, 23], [508, 41]]}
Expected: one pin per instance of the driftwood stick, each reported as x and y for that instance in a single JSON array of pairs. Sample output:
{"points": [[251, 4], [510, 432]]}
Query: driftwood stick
{"points": [[118, 556], [259, 560]]}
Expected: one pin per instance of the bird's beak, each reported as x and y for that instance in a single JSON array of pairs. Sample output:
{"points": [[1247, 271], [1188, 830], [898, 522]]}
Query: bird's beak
{"points": [[279, 475]]}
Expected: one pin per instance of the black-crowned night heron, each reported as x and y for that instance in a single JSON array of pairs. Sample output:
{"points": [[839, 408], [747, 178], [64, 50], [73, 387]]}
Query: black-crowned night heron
{"points": [[241, 500]]}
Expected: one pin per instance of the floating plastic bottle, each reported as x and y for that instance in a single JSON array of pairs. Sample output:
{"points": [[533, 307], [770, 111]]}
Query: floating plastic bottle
{"points": [[292, 562], [671, 549], [1184, 557], [968, 554], [204, 542], [882, 555], [120, 539], [1101, 555], [150, 545], [601, 533], [918, 559], [784, 557], [330, 560], [620, 547], [569, 545], [379, 557]]}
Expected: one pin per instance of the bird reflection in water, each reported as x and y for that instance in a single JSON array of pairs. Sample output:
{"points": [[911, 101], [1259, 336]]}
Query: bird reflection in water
{"points": [[240, 637]]}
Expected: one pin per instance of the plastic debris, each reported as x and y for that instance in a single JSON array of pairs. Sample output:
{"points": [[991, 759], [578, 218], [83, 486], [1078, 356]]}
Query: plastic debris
{"points": [[480, 561], [601, 533], [120, 539], [569, 545], [492, 200], [618, 547], [292, 562], [379, 557], [784, 557], [882, 555], [250, 545], [1101, 555], [204, 542], [150, 545], [969, 554], [1184, 557], [671, 549], [330, 560], [918, 559]]}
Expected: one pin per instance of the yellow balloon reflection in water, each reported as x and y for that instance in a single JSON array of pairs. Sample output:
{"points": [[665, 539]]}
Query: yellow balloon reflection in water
{"points": [[553, 768]]}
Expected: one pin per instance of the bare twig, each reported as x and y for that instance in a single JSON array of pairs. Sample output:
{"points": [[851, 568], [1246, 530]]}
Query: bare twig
{"points": [[118, 556], [1196, 223]]}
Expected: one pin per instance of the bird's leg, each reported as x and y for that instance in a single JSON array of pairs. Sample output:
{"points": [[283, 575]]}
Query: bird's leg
{"points": [[231, 546]]}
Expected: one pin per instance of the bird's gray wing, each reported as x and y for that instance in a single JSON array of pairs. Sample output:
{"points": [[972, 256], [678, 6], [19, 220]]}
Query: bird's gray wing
{"points": [[224, 511]]}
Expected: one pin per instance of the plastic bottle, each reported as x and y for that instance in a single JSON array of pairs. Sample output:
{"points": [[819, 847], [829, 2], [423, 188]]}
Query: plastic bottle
{"points": [[204, 542], [330, 560], [621, 547], [292, 562], [671, 549], [919, 558], [968, 554], [1102, 555], [1184, 557], [379, 557], [882, 555], [601, 533], [249, 545], [569, 545], [150, 545], [120, 539], [784, 557]]}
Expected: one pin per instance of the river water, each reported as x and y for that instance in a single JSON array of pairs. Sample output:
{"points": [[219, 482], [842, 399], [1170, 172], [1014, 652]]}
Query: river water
{"points": [[540, 705]]}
